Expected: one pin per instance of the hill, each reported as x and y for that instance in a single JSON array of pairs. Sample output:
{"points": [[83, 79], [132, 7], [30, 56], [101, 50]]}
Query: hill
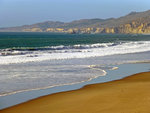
{"points": [[134, 22]]}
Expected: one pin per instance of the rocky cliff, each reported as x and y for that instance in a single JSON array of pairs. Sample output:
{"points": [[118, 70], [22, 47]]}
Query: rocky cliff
{"points": [[133, 23]]}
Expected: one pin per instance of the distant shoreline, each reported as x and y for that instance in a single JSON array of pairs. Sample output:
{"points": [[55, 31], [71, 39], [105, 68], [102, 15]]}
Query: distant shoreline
{"points": [[73, 33], [133, 23], [76, 33]]}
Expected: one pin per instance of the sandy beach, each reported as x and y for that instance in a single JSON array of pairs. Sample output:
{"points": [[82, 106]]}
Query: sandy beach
{"points": [[129, 95]]}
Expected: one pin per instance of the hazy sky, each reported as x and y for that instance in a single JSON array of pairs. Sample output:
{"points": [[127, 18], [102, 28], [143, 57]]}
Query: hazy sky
{"points": [[20, 12]]}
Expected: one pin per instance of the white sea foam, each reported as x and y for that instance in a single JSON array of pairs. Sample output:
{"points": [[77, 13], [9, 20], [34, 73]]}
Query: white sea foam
{"points": [[44, 77], [75, 51]]}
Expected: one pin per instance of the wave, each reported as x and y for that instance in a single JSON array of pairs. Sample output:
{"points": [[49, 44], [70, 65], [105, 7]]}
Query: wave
{"points": [[99, 67], [28, 54], [100, 72], [15, 50]]}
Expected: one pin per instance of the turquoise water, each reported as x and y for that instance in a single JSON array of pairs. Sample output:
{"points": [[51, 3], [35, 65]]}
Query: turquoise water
{"points": [[11, 40], [35, 47]]}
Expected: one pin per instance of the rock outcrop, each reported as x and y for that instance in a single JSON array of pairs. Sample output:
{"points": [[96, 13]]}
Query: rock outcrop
{"points": [[133, 23]]}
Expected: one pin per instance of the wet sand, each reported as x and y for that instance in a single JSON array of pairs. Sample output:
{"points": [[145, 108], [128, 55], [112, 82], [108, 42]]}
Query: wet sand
{"points": [[128, 95]]}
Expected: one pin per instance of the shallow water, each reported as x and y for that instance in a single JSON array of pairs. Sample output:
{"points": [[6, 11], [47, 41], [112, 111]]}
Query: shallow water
{"points": [[123, 70], [38, 75]]}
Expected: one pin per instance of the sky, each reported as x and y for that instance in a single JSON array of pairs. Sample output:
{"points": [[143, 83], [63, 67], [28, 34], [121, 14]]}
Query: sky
{"points": [[25, 12]]}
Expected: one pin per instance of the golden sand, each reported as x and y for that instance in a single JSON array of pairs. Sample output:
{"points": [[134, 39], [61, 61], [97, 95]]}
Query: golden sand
{"points": [[129, 95]]}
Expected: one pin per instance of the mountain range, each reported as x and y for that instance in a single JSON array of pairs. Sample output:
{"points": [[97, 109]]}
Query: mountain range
{"points": [[133, 23]]}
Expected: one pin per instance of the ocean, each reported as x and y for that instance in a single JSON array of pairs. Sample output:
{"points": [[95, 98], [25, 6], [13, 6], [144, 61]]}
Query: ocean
{"points": [[32, 61]]}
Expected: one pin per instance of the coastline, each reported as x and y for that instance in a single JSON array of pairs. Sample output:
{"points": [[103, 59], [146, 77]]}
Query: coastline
{"points": [[123, 71], [130, 94]]}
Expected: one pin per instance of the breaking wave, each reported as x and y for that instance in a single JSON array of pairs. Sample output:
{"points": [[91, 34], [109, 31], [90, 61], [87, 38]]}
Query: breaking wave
{"points": [[29, 54]]}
